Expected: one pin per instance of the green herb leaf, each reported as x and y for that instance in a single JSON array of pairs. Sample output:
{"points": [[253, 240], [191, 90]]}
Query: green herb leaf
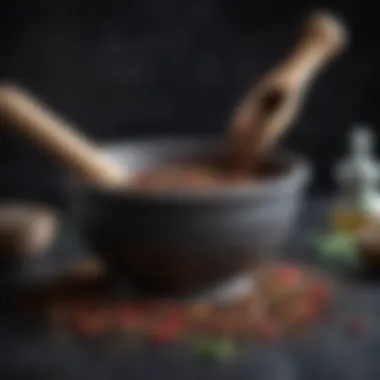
{"points": [[214, 348], [339, 247]]}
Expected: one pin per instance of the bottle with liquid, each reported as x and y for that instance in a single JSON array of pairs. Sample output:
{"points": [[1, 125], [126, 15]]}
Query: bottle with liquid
{"points": [[358, 177]]}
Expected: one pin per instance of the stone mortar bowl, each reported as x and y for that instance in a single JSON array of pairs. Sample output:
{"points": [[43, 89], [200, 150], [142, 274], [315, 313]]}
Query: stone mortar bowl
{"points": [[180, 242]]}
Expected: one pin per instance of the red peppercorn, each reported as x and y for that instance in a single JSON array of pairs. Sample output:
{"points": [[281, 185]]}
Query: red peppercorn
{"points": [[174, 315], [168, 332], [125, 315], [162, 337], [309, 316], [129, 318], [266, 331], [89, 323], [288, 275], [171, 327], [319, 293]]}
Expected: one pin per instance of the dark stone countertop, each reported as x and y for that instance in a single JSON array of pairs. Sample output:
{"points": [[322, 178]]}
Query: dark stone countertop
{"points": [[27, 352]]}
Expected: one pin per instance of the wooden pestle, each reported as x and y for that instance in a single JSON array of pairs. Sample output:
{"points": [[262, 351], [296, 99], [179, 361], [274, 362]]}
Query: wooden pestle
{"points": [[29, 118], [273, 104]]}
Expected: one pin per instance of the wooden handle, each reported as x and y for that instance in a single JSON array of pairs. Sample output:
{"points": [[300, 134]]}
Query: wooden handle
{"points": [[274, 103], [322, 38], [31, 119]]}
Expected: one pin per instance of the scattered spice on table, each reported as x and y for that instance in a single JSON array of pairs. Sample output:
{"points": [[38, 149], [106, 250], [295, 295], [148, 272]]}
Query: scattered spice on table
{"points": [[89, 322], [267, 331], [319, 292], [129, 318], [285, 298], [171, 329]]}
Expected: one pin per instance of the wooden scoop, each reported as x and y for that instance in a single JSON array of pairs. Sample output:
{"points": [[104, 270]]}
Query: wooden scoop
{"points": [[30, 118], [274, 103]]}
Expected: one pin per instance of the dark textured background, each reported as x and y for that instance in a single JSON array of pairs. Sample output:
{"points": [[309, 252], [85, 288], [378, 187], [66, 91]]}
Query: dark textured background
{"points": [[159, 67]]}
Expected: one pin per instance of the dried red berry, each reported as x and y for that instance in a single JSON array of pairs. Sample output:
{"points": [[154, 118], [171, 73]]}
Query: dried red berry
{"points": [[168, 332], [130, 318], [319, 293], [89, 323], [288, 275], [126, 315], [174, 315], [309, 316], [162, 337], [267, 331]]}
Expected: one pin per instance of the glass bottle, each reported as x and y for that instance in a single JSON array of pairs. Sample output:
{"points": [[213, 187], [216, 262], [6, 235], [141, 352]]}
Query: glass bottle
{"points": [[358, 177]]}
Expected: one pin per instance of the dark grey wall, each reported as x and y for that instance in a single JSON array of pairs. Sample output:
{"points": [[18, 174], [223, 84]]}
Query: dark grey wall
{"points": [[154, 67]]}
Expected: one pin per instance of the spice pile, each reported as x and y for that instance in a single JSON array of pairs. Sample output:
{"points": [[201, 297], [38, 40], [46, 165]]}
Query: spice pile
{"points": [[286, 299], [185, 177]]}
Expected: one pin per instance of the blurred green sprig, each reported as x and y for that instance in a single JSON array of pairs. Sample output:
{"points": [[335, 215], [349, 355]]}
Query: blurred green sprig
{"points": [[340, 248]]}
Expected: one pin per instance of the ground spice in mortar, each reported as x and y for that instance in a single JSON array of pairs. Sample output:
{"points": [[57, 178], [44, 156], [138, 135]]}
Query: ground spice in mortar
{"points": [[187, 177]]}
